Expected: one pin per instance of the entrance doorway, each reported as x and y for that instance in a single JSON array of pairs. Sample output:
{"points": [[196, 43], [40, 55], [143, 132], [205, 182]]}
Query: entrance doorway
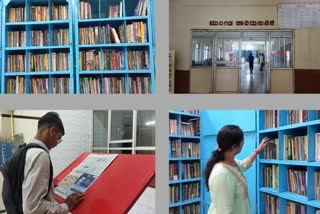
{"points": [[257, 81], [225, 69]]}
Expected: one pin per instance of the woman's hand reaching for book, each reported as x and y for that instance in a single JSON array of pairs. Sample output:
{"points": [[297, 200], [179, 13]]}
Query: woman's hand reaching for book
{"points": [[263, 144]]}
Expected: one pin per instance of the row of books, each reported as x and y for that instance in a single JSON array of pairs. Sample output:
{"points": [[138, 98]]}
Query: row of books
{"points": [[295, 208], [174, 193], [38, 62], [293, 117], [175, 147], [41, 85], [317, 185], [101, 35], [188, 149], [111, 59], [39, 38], [138, 60], [139, 85], [116, 10], [17, 85], [297, 181], [271, 150], [271, 119], [114, 85], [16, 38], [60, 12], [188, 128], [173, 127], [191, 208], [190, 190], [175, 210], [106, 59], [38, 13], [191, 128], [295, 148], [141, 9], [107, 85], [173, 171], [270, 176], [186, 209], [297, 116], [191, 170], [271, 204]]}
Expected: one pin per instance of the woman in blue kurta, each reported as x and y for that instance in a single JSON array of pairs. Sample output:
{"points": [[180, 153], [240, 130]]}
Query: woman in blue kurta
{"points": [[224, 174]]}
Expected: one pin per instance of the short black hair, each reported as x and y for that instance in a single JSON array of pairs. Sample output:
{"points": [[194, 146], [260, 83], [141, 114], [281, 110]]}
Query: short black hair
{"points": [[51, 118]]}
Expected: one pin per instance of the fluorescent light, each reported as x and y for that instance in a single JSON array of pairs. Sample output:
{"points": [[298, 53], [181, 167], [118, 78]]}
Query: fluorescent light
{"points": [[150, 123]]}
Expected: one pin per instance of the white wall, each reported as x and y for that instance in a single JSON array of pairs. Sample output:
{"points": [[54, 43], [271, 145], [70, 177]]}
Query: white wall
{"points": [[77, 138]]}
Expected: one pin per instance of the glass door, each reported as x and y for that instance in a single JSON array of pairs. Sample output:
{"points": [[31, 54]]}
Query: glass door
{"points": [[257, 81], [227, 62]]}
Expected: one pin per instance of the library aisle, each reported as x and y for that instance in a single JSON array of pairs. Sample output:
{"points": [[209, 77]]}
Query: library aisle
{"points": [[125, 139], [284, 177]]}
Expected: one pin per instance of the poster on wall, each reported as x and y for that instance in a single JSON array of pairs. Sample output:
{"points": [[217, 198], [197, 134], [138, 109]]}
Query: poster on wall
{"points": [[299, 14]]}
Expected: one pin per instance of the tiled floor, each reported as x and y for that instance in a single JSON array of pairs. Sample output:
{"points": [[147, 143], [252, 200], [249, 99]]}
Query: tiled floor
{"points": [[255, 83]]}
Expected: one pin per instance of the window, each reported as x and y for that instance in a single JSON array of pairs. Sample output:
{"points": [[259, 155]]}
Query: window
{"points": [[145, 128], [124, 131], [281, 53], [121, 125], [201, 51], [100, 128], [227, 52]]}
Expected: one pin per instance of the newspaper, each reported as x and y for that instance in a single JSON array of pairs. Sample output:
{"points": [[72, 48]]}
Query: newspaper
{"points": [[84, 175]]}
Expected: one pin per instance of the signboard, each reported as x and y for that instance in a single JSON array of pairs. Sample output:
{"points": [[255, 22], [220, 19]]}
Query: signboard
{"points": [[304, 14]]}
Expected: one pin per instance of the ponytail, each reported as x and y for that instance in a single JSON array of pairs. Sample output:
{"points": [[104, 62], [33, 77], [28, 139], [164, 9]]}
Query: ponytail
{"points": [[216, 157], [227, 137]]}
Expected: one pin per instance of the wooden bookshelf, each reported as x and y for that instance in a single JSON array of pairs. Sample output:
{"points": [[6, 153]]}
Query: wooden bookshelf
{"points": [[184, 162], [296, 187]]}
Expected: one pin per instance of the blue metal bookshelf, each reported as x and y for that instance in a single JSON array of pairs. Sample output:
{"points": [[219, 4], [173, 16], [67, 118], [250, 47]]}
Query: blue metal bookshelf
{"points": [[1, 47], [48, 64], [118, 69], [181, 204], [281, 192]]}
